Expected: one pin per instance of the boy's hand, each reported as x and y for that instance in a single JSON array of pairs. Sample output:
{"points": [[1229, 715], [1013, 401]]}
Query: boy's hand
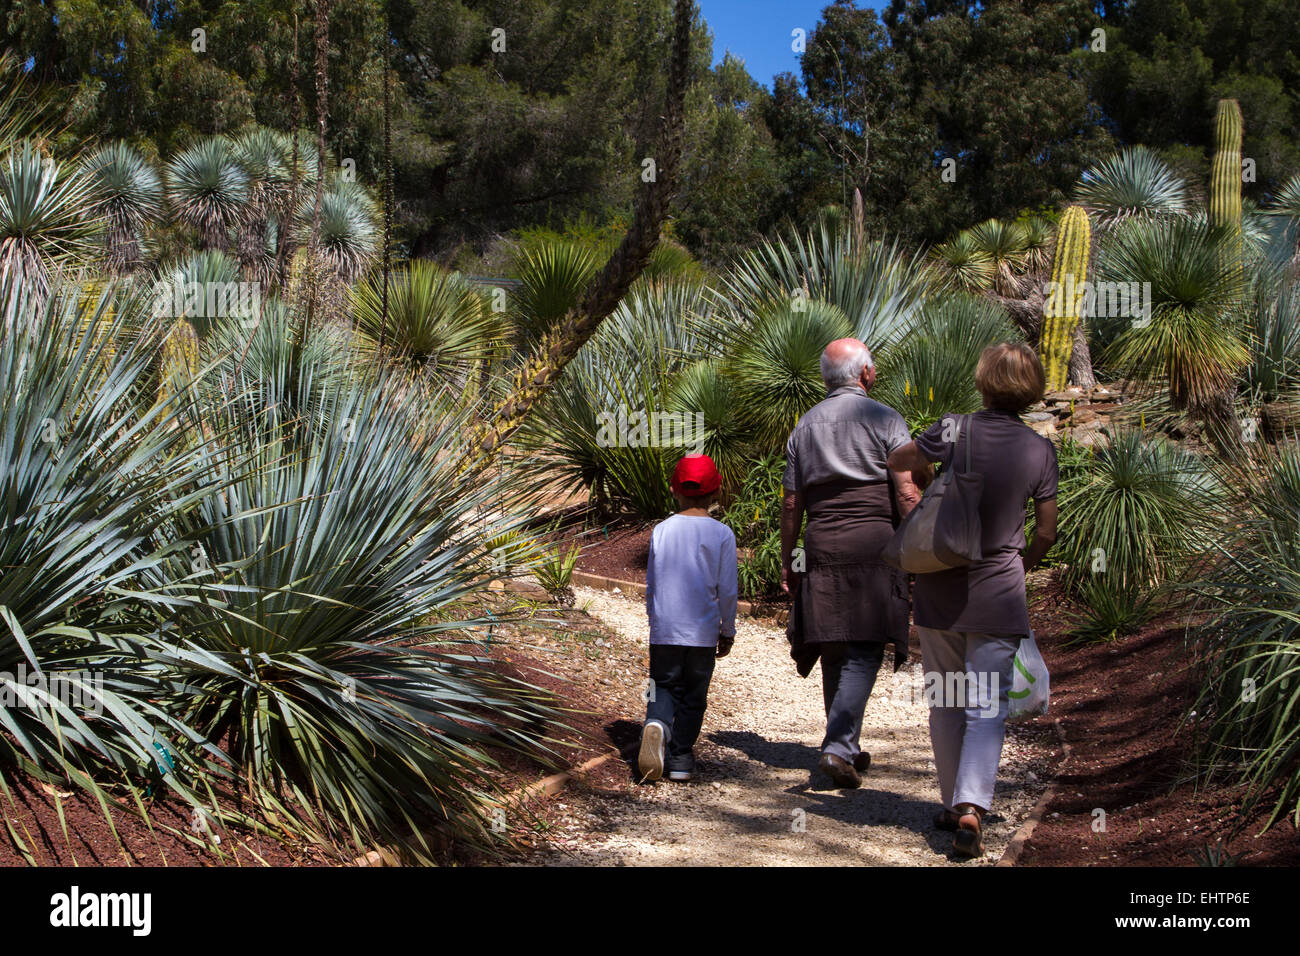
{"points": [[724, 645]]}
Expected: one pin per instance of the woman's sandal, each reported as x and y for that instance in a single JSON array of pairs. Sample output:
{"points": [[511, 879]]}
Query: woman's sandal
{"points": [[969, 839], [945, 820]]}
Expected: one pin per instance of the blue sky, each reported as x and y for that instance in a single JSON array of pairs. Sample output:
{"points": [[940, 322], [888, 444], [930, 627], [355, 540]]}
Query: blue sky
{"points": [[758, 31]]}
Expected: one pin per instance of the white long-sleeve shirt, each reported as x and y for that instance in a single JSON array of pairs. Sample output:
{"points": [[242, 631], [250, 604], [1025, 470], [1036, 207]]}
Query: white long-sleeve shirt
{"points": [[690, 582]]}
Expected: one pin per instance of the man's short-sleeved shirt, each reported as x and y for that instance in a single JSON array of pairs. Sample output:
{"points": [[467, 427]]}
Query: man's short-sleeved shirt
{"points": [[846, 436]]}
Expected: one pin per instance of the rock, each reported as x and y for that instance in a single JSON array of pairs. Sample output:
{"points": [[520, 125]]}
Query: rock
{"points": [[1082, 417], [1072, 394], [528, 589], [1038, 416], [1046, 429]]}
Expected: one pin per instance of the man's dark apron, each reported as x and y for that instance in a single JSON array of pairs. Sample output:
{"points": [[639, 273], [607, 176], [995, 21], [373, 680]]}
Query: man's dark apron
{"points": [[847, 593]]}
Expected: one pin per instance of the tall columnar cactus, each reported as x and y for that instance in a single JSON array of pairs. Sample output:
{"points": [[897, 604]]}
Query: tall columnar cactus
{"points": [[1225, 176], [1063, 310]]}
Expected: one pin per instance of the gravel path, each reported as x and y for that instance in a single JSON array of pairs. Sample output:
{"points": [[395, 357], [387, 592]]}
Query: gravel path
{"points": [[756, 799]]}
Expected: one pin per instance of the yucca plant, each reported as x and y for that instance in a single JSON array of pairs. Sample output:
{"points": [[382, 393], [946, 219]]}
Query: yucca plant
{"points": [[265, 156], [1249, 642], [349, 235], [1005, 244], [93, 474], [1134, 183], [877, 286], [706, 389], [203, 287], [933, 370], [437, 321], [963, 264], [1039, 242], [1140, 513], [47, 215], [328, 635], [776, 367], [1194, 339], [209, 191], [552, 276], [129, 196]]}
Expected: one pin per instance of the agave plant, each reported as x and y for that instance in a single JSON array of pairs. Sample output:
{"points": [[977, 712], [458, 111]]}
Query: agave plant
{"points": [[130, 196], [437, 321], [333, 548], [1193, 337], [46, 215], [91, 483], [933, 371], [209, 191], [1134, 183], [962, 263]]}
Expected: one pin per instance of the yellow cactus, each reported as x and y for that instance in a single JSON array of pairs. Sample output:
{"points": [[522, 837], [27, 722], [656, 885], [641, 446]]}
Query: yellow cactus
{"points": [[1063, 310]]}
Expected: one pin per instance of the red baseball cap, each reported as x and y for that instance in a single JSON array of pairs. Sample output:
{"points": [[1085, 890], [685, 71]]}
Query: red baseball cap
{"points": [[696, 475]]}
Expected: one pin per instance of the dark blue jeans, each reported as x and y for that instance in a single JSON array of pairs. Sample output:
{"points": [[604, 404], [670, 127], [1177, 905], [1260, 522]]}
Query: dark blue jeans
{"points": [[848, 674], [679, 692]]}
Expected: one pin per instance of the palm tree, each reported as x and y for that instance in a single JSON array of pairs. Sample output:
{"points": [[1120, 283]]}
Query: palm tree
{"points": [[130, 196], [1134, 183], [47, 214], [209, 191]]}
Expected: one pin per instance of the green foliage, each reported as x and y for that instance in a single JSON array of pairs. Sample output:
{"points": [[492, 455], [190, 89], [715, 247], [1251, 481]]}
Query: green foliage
{"points": [[1134, 183], [776, 367], [208, 190], [1140, 513], [46, 216], [932, 370], [1194, 341], [754, 515], [1249, 643], [961, 262], [436, 320], [130, 196]]}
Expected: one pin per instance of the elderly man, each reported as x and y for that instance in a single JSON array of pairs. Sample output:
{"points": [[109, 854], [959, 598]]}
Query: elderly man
{"points": [[847, 602]]}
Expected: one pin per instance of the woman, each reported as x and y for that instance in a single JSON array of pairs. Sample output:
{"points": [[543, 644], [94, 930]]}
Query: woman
{"points": [[971, 620]]}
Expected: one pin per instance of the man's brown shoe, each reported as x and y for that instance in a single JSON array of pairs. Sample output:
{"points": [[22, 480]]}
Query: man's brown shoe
{"points": [[840, 771]]}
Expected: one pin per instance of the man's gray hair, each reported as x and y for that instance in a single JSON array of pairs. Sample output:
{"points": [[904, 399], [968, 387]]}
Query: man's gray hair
{"points": [[847, 370]]}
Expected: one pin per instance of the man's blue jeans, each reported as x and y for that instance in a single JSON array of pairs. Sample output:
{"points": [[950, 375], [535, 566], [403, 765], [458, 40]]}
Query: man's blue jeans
{"points": [[679, 692], [848, 674]]}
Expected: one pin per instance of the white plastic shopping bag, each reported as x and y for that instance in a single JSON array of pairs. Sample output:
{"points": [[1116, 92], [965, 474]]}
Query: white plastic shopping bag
{"points": [[1030, 681]]}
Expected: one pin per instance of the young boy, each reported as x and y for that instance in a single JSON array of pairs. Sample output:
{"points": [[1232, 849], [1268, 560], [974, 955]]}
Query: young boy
{"points": [[690, 595]]}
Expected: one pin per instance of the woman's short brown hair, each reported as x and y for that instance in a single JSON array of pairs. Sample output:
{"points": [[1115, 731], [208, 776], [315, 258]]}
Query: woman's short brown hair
{"points": [[1010, 377]]}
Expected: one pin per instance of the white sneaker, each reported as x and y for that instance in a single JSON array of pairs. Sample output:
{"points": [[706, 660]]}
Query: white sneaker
{"points": [[651, 759]]}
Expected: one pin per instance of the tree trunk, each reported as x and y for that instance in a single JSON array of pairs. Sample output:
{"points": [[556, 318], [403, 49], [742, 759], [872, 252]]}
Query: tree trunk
{"points": [[1081, 359], [558, 347], [322, 110]]}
